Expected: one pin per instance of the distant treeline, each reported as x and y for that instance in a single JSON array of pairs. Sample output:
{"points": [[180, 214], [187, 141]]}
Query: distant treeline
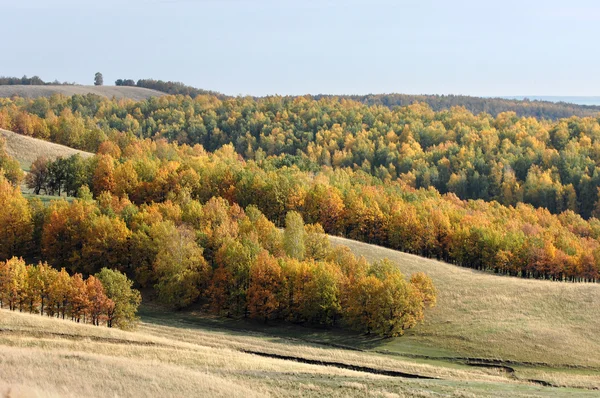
{"points": [[476, 105], [29, 81], [174, 88]]}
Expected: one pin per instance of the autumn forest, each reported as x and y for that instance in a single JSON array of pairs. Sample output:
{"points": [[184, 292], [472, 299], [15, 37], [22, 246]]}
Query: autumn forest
{"points": [[226, 203]]}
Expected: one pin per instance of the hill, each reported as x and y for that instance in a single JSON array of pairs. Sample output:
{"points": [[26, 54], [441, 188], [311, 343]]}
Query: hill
{"points": [[490, 316], [27, 149], [47, 357], [489, 336], [134, 93]]}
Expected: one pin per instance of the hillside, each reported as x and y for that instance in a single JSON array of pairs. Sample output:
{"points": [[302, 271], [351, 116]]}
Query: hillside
{"points": [[46, 357], [27, 149], [489, 316], [489, 336], [134, 93]]}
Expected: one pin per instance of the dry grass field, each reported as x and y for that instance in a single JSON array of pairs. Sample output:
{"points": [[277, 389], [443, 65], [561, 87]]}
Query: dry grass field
{"points": [[27, 149], [490, 336], [42, 357], [119, 92]]}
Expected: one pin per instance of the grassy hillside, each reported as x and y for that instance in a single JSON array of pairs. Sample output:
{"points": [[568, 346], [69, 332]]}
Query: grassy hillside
{"points": [[50, 357], [27, 149], [134, 93], [489, 336], [489, 316]]}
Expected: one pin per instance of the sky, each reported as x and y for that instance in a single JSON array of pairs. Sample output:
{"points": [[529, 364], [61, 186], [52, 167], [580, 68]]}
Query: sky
{"points": [[262, 47]]}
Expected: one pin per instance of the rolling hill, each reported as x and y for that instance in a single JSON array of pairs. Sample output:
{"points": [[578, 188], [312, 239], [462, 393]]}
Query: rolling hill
{"points": [[134, 93], [489, 336], [27, 149], [489, 316]]}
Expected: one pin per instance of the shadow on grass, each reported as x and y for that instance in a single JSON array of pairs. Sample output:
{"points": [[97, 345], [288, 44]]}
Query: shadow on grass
{"points": [[287, 333]]}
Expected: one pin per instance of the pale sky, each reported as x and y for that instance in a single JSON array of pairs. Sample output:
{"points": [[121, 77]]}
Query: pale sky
{"points": [[260, 47]]}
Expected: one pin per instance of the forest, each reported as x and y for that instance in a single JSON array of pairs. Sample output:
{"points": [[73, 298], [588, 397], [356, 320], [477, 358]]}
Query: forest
{"points": [[476, 105], [28, 81], [226, 203], [508, 159], [233, 261]]}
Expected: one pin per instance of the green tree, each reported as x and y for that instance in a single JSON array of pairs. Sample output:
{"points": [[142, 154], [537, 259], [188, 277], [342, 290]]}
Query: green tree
{"points": [[294, 236], [126, 300], [179, 268]]}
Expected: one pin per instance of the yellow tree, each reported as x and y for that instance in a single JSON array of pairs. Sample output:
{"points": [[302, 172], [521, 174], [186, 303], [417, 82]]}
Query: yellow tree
{"points": [[104, 179], [16, 226], [13, 278], [294, 236], [47, 275], [267, 288], [60, 292], [179, 268], [126, 179]]}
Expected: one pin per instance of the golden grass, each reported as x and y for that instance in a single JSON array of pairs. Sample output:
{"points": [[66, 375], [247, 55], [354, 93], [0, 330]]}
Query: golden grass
{"points": [[27, 149], [490, 316], [46, 357], [119, 92]]}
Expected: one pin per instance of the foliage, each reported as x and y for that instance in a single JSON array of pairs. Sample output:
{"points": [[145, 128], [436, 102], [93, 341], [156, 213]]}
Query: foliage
{"points": [[9, 167], [505, 157], [16, 225], [126, 300], [98, 79], [47, 291]]}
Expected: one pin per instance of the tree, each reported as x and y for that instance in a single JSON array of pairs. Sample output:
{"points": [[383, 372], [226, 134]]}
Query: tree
{"points": [[321, 293], [13, 283], [317, 242], [237, 258], [105, 244], [98, 79], [266, 290], [99, 305], [37, 178], [179, 268], [9, 167], [294, 236], [424, 285], [65, 229], [58, 172], [60, 293], [104, 179], [15, 221], [47, 276], [79, 299], [126, 300]]}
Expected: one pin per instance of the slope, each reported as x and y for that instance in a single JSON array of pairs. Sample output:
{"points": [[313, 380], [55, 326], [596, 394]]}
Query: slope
{"points": [[484, 315], [41, 356], [27, 149], [119, 92]]}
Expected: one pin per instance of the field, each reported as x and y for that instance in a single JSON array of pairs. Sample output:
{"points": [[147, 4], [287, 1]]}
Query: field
{"points": [[489, 336], [119, 92], [27, 149]]}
